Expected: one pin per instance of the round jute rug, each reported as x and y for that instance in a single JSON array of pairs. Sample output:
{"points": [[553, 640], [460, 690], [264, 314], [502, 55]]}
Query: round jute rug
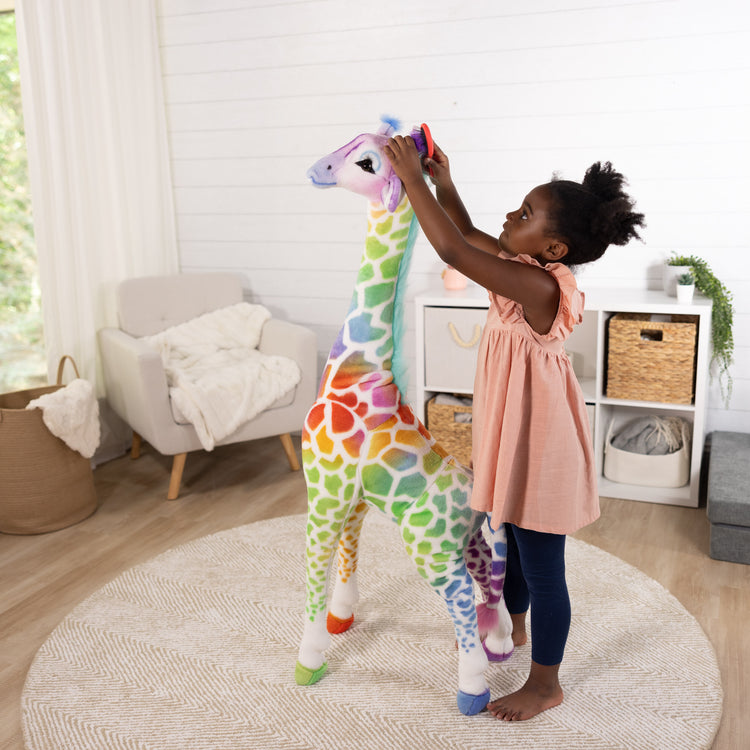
{"points": [[196, 649]]}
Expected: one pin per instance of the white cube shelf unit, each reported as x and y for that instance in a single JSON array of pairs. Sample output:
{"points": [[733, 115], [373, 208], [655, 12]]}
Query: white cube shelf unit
{"points": [[448, 325]]}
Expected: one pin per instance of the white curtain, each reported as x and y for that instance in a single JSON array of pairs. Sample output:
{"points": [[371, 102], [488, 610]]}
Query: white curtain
{"points": [[98, 162]]}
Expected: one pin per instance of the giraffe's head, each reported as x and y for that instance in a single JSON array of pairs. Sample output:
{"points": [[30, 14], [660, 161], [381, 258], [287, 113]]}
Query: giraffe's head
{"points": [[362, 166]]}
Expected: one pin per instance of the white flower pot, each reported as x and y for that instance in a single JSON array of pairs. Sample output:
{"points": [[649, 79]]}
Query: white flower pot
{"points": [[670, 274], [685, 293]]}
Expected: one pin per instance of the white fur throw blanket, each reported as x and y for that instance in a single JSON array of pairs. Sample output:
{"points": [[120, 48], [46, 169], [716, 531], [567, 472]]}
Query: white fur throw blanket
{"points": [[72, 414], [216, 376]]}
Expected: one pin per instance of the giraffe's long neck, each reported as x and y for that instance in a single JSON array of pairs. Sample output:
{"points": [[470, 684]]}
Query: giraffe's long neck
{"points": [[363, 352]]}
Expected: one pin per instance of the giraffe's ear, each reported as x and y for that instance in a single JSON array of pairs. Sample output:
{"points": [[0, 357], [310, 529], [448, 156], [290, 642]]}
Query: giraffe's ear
{"points": [[390, 195]]}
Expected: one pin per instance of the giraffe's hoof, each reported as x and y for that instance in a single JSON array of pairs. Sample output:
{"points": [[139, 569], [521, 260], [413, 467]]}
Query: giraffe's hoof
{"points": [[305, 676], [337, 625], [469, 704], [502, 655]]}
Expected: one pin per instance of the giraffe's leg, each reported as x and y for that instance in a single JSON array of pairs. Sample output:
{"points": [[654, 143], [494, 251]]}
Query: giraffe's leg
{"points": [[436, 530], [473, 691], [345, 593], [326, 517], [429, 498], [330, 456], [498, 644]]}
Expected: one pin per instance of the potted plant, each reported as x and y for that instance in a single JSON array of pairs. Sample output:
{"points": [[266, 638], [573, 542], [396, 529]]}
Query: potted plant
{"points": [[670, 273], [685, 288], [722, 315]]}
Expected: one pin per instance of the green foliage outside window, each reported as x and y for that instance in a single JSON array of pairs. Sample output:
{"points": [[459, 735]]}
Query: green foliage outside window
{"points": [[22, 359]]}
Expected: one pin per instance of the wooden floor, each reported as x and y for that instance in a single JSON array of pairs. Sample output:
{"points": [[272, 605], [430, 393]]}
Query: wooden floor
{"points": [[43, 577]]}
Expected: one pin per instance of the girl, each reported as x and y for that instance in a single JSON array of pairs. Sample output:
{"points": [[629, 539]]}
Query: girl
{"points": [[532, 455]]}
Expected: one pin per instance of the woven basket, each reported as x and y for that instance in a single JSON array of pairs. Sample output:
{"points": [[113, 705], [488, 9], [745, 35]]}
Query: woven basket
{"points": [[651, 360], [44, 484], [453, 436]]}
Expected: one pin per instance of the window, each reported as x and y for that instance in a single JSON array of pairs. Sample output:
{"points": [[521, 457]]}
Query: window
{"points": [[22, 356]]}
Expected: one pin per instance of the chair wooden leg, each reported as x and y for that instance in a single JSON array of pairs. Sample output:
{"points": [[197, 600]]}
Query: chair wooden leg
{"points": [[178, 465], [135, 448], [291, 454]]}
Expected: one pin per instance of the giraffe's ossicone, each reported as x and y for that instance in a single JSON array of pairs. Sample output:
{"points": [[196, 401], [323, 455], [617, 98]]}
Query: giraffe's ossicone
{"points": [[363, 447]]}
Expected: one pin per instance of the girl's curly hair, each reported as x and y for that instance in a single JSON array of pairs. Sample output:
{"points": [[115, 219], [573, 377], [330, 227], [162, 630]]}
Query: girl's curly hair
{"points": [[592, 215]]}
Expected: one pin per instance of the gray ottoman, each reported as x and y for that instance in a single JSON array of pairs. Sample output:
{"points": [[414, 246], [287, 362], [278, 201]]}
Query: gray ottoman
{"points": [[729, 496]]}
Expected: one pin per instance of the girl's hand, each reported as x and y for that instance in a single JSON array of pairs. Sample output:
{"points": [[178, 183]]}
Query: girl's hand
{"points": [[404, 158], [439, 168]]}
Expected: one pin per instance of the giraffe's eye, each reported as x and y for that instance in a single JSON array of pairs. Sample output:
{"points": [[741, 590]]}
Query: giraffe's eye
{"points": [[366, 165]]}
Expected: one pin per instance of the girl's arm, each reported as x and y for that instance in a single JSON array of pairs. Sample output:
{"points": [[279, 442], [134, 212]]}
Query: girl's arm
{"points": [[531, 286], [449, 199]]}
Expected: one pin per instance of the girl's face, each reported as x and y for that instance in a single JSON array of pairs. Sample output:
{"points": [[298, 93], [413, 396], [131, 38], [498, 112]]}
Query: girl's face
{"points": [[525, 231]]}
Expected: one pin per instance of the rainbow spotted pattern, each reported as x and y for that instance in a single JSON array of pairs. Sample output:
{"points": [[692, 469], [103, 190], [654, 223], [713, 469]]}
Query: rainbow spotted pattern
{"points": [[363, 447]]}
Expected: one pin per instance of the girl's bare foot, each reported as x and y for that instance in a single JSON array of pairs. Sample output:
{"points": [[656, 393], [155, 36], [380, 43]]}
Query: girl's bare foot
{"points": [[540, 692], [519, 629]]}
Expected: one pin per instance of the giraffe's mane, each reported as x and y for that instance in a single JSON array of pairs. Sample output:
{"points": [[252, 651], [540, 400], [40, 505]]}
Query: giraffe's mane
{"points": [[398, 363]]}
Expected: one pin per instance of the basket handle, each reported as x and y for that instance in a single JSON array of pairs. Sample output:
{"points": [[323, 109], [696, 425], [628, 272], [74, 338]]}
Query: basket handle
{"points": [[457, 336], [651, 335], [62, 365]]}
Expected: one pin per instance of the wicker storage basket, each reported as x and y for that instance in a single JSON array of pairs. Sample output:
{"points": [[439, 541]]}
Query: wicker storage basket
{"points": [[651, 360], [44, 484], [453, 436]]}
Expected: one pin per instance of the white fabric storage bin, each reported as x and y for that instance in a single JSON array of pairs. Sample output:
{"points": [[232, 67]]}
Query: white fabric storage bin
{"points": [[669, 470], [451, 344]]}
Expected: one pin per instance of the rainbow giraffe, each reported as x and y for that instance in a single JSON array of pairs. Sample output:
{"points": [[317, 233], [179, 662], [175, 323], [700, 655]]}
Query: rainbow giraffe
{"points": [[362, 447]]}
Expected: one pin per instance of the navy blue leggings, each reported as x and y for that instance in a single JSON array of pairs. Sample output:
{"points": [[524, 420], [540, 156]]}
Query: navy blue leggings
{"points": [[535, 575]]}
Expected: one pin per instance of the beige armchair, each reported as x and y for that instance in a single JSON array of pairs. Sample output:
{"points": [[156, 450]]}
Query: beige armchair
{"points": [[136, 383]]}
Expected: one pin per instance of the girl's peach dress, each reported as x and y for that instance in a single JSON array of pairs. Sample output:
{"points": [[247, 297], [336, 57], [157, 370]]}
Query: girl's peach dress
{"points": [[532, 452]]}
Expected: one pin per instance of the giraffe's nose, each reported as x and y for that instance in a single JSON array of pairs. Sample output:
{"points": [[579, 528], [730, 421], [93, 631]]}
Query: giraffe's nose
{"points": [[322, 174]]}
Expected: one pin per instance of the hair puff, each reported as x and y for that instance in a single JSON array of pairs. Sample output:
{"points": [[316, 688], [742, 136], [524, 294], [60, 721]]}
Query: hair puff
{"points": [[592, 215]]}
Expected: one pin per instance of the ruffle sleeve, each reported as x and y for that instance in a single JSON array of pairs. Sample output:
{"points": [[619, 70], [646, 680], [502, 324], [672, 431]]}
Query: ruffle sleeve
{"points": [[570, 311]]}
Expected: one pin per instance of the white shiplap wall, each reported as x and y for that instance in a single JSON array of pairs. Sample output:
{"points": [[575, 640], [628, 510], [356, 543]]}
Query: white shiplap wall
{"points": [[257, 90]]}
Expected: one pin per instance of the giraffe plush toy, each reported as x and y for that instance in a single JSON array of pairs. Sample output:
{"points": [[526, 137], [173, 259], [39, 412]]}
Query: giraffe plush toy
{"points": [[363, 447]]}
